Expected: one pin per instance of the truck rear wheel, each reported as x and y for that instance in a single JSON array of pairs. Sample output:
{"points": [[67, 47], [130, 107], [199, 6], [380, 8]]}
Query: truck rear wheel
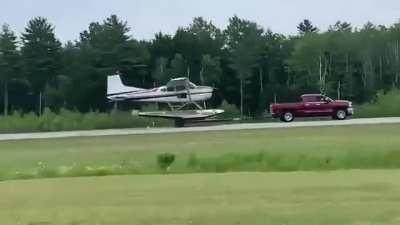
{"points": [[340, 114], [287, 117]]}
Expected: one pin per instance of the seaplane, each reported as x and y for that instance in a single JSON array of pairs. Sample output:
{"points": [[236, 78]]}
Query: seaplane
{"points": [[179, 94]]}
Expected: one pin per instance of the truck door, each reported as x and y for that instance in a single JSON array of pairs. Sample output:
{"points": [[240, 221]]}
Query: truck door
{"points": [[311, 106], [320, 107], [326, 108]]}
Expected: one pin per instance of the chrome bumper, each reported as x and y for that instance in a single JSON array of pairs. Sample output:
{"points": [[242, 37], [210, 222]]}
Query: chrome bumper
{"points": [[350, 111]]}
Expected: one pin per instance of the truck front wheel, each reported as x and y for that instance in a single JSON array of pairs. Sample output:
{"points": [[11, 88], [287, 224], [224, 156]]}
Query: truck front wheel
{"points": [[287, 117], [340, 114]]}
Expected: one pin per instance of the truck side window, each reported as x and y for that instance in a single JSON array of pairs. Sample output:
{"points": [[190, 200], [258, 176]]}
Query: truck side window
{"points": [[313, 99], [308, 99]]}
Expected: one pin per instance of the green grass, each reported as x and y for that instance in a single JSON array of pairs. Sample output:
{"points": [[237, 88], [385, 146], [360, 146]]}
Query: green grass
{"points": [[343, 196], [70, 120], [301, 198], [319, 148]]}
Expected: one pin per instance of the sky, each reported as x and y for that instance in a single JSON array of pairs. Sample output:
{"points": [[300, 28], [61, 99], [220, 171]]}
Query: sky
{"points": [[147, 17]]}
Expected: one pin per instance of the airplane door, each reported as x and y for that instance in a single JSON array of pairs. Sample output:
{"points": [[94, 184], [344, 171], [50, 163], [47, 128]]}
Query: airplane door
{"points": [[182, 96], [182, 93]]}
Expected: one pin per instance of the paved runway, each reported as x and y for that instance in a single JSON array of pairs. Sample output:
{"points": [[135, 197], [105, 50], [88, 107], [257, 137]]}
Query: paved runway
{"points": [[241, 126]]}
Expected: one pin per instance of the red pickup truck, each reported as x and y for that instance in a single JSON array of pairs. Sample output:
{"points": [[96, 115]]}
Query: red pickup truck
{"points": [[312, 105]]}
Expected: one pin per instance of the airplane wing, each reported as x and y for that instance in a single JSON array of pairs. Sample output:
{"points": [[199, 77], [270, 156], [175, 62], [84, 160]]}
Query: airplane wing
{"points": [[184, 114]]}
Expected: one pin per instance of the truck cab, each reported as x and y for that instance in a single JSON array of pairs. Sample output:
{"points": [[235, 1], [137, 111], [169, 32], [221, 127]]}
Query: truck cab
{"points": [[312, 105]]}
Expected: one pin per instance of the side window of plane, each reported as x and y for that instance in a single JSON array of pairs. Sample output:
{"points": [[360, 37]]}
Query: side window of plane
{"points": [[180, 88]]}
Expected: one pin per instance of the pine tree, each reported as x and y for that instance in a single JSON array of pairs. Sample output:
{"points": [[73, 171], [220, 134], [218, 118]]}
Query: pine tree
{"points": [[306, 27], [9, 61], [41, 55]]}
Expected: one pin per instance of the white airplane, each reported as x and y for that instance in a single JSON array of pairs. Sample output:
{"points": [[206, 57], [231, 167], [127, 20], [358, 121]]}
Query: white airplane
{"points": [[177, 93]]}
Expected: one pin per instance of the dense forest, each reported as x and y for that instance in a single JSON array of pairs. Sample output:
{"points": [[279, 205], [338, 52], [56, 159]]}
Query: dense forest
{"points": [[249, 66]]}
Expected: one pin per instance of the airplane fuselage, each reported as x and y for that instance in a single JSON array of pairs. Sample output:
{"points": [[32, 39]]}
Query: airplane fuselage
{"points": [[177, 93], [162, 94]]}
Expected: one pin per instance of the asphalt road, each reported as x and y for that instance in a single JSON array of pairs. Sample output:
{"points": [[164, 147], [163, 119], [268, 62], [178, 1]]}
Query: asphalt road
{"points": [[241, 126]]}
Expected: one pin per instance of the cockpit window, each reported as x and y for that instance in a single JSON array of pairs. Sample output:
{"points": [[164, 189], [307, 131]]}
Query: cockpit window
{"points": [[192, 86], [180, 84]]}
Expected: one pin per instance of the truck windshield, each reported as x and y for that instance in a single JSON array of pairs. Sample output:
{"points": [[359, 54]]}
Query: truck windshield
{"points": [[327, 99]]}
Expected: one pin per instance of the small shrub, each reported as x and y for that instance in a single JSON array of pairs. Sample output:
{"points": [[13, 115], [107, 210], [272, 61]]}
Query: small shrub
{"points": [[23, 175], [47, 173], [165, 160], [192, 161], [231, 111], [99, 171], [2, 176]]}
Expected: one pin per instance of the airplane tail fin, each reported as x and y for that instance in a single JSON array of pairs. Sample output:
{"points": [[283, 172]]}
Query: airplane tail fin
{"points": [[115, 86]]}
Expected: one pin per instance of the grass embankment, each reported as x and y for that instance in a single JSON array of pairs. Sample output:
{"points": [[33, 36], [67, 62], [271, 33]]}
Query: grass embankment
{"points": [[67, 120], [385, 105], [301, 198], [322, 148]]}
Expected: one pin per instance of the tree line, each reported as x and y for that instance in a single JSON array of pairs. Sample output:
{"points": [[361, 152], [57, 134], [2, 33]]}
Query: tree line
{"points": [[250, 66]]}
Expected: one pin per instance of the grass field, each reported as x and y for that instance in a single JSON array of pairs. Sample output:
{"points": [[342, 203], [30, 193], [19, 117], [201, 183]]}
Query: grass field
{"points": [[353, 197], [322, 148], [334, 195]]}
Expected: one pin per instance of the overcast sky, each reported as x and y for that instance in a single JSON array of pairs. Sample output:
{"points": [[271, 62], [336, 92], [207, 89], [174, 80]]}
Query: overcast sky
{"points": [[146, 17]]}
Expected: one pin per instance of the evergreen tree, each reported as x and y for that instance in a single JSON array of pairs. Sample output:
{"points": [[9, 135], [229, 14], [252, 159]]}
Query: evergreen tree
{"points": [[306, 27], [41, 55], [244, 42], [9, 62], [340, 27], [177, 68], [211, 71], [105, 48], [250, 66]]}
